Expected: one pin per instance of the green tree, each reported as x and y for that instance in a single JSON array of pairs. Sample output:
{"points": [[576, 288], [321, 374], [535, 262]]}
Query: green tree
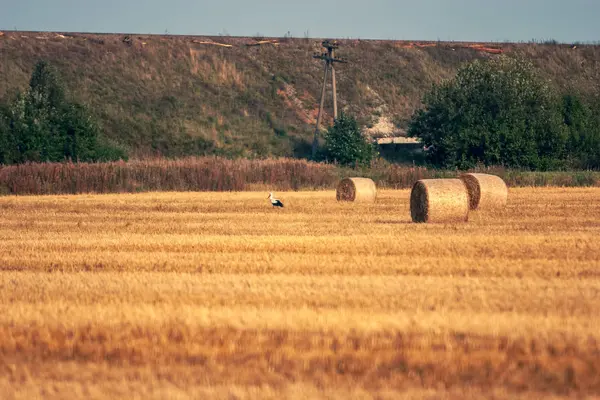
{"points": [[7, 143], [494, 112], [346, 145], [42, 125], [582, 119], [46, 89], [14, 131], [46, 107]]}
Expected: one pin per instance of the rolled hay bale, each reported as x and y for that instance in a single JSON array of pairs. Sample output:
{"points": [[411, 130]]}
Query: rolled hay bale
{"points": [[439, 200], [357, 190], [486, 192]]}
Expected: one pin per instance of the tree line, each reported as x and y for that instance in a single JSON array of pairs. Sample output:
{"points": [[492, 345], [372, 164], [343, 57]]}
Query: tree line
{"points": [[495, 112], [500, 112]]}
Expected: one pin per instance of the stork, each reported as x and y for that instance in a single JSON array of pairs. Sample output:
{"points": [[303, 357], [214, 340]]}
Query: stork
{"points": [[275, 202]]}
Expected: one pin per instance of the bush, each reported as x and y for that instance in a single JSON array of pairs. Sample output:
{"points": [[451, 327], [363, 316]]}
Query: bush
{"points": [[346, 145], [581, 116], [42, 125], [495, 112], [8, 148]]}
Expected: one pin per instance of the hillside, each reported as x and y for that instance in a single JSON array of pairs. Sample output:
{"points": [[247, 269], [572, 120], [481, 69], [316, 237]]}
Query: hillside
{"points": [[178, 95]]}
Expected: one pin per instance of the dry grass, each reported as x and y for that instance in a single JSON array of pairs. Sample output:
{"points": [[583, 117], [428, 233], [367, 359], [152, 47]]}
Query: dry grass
{"points": [[146, 92], [222, 174], [192, 173], [216, 295]]}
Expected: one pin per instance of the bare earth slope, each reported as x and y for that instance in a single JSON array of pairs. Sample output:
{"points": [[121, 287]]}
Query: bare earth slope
{"points": [[217, 295], [180, 94]]}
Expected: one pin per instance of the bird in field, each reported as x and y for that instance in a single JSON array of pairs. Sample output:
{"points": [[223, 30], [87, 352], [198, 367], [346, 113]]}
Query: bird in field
{"points": [[275, 202]]}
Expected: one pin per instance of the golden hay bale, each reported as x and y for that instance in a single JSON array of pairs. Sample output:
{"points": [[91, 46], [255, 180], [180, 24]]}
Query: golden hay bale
{"points": [[356, 189], [439, 200], [486, 192]]}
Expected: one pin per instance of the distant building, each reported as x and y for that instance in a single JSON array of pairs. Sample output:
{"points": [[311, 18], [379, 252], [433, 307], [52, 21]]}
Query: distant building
{"points": [[401, 149], [402, 140]]}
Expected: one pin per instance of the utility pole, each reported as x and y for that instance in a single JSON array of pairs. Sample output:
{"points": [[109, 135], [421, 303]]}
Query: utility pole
{"points": [[329, 58]]}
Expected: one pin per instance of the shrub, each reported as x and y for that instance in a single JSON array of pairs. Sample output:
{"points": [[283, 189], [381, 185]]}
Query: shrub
{"points": [[345, 143]]}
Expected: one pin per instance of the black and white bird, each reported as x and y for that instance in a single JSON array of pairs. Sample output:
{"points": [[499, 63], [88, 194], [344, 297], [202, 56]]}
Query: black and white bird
{"points": [[275, 202]]}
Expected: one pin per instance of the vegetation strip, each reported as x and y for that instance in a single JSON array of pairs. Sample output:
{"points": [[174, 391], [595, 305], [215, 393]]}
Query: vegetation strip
{"points": [[220, 174]]}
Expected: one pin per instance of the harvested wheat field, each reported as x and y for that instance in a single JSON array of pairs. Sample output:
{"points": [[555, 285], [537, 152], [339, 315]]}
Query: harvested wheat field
{"points": [[217, 295]]}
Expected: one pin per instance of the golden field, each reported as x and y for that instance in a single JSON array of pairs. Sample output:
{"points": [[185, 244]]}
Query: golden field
{"points": [[216, 295]]}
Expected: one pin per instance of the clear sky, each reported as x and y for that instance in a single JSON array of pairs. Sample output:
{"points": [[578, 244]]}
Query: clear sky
{"points": [[468, 20]]}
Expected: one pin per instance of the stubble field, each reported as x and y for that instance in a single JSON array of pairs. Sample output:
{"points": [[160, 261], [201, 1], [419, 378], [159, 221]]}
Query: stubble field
{"points": [[216, 295]]}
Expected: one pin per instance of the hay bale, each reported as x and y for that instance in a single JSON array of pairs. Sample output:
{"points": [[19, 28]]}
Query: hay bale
{"points": [[486, 192], [357, 190], [439, 200]]}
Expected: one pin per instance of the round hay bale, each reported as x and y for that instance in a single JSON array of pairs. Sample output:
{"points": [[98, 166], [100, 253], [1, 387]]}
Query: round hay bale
{"points": [[486, 192], [356, 189], [439, 200]]}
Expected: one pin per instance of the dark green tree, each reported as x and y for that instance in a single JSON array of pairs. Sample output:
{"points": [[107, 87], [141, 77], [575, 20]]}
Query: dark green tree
{"points": [[46, 89], [345, 143], [8, 146], [582, 119], [47, 109], [42, 125], [494, 112]]}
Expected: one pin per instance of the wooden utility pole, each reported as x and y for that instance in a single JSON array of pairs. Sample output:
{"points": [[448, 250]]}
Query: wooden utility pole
{"points": [[329, 58]]}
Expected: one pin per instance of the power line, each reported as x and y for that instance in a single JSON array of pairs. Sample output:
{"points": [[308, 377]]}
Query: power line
{"points": [[329, 59]]}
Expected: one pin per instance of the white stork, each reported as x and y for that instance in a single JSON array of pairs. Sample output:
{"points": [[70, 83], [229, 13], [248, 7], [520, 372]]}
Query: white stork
{"points": [[275, 202]]}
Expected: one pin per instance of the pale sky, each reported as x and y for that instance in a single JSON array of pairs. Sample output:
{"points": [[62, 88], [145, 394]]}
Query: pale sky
{"points": [[461, 20]]}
